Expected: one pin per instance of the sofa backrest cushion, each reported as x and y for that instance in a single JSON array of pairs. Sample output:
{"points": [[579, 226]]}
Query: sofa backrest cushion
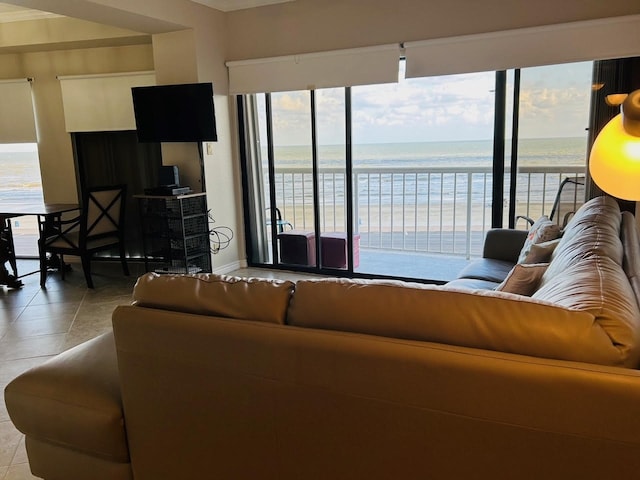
{"points": [[630, 237], [481, 319], [219, 295], [586, 274]]}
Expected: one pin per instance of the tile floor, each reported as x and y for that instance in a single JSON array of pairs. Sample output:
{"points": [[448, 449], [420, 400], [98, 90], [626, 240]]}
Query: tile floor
{"points": [[36, 324]]}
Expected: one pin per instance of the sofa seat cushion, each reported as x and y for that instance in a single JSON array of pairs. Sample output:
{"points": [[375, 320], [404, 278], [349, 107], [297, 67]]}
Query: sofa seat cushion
{"points": [[487, 269], [73, 401], [219, 295], [481, 319], [472, 284]]}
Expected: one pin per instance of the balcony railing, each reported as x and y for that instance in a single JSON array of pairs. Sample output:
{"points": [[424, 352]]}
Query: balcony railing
{"points": [[431, 210]]}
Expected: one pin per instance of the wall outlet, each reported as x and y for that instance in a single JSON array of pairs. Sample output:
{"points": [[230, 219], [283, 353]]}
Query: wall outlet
{"points": [[209, 148]]}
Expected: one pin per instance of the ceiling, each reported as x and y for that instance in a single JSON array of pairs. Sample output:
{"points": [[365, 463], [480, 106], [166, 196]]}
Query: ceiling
{"points": [[13, 13], [228, 5]]}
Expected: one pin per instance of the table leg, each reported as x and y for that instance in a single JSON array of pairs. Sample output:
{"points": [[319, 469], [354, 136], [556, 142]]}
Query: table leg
{"points": [[7, 254], [44, 223]]}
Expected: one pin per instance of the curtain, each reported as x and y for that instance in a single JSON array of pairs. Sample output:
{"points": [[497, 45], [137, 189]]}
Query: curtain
{"points": [[110, 158], [527, 47], [620, 75], [17, 119], [98, 103], [340, 68]]}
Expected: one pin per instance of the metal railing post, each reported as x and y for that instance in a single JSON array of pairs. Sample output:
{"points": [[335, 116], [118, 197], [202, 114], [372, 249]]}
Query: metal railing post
{"points": [[469, 202], [380, 206]]}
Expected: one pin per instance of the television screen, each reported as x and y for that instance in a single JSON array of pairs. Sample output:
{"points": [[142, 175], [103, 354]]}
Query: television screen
{"points": [[175, 113]]}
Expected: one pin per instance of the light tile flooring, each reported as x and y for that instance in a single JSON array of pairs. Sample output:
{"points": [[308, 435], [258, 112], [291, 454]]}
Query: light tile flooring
{"points": [[36, 324]]}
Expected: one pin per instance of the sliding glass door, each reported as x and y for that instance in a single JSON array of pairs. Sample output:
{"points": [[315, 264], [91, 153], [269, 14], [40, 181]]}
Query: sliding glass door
{"points": [[423, 161], [405, 179], [552, 141]]}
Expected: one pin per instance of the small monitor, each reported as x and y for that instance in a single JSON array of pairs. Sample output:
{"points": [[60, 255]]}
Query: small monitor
{"points": [[168, 176]]}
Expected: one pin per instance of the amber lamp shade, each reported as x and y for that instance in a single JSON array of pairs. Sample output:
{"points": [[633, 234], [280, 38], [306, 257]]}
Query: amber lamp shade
{"points": [[614, 163]]}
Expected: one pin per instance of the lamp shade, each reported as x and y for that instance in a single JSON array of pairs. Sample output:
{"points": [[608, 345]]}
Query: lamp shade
{"points": [[614, 163]]}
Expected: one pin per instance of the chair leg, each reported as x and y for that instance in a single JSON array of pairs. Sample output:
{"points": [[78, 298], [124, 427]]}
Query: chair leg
{"points": [[86, 268], [61, 266], [43, 264], [123, 260]]}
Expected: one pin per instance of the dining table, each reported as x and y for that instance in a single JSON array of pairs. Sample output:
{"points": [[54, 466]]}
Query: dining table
{"points": [[48, 214]]}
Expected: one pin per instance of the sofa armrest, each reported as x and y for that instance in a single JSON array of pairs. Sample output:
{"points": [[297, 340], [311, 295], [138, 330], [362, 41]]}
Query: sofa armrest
{"points": [[70, 410], [504, 244]]}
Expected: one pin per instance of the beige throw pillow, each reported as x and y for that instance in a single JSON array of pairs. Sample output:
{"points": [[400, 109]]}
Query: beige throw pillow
{"points": [[541, 252], [541, 231], [523, 279]]}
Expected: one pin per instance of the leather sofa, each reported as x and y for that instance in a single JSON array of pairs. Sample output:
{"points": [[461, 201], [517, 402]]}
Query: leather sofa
{"points": [[219, 377], [500, 253]]}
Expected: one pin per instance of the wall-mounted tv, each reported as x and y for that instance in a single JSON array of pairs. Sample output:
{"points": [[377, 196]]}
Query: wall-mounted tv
{"points": [[175, 113]]}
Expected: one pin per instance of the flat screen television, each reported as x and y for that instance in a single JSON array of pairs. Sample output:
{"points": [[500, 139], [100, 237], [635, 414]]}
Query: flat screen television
{"points": [[175, 113]]}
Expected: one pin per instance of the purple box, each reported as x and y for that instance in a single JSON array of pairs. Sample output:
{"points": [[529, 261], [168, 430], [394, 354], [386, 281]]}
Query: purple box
{"points": [[297, 247], [334, 250]]}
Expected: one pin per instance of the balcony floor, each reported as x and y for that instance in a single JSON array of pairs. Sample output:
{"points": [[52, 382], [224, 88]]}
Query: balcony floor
{"points": [[439, 267]]}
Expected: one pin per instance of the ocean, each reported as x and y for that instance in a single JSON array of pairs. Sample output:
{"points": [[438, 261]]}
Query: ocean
{"points": [[21, 173], [379, 195], [531, 152], [402, 183], [20, 177]]}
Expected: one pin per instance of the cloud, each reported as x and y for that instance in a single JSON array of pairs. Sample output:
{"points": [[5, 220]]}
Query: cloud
{"points": [[546, 111], [424, 107], [554, 101]]}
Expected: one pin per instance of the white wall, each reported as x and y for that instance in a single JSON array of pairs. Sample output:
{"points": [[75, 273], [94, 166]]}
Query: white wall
{"points": [[319, 25], [54, 143], [189, 44], [208, 38]]}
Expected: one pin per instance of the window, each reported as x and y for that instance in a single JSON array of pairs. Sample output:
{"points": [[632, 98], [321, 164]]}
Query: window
{"points": [[422, 153], [552, 135], [403, 174], [21, 182]]}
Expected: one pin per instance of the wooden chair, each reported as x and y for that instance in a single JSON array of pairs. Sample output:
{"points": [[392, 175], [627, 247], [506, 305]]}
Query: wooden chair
{"points": [[100, 226]]}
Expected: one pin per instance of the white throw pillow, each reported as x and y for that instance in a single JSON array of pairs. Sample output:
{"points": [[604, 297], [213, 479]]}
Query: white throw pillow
{"points": [[541, 231]]}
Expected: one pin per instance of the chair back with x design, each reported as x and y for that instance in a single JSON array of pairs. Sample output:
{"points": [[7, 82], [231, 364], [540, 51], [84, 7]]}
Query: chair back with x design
{"points": [[100, 226], [104, 211]]}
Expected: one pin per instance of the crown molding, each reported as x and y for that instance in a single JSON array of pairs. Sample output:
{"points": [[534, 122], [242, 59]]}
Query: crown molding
{"points": [[230, 5]]}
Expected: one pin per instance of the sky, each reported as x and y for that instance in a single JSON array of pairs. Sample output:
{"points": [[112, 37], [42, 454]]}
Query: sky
{"points": [[18, 147], [554, 102]]}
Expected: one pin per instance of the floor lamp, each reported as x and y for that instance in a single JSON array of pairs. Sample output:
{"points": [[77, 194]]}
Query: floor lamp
{"points": [[614, 163]]}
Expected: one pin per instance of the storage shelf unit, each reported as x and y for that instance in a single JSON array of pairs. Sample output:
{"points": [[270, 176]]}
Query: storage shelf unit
{"points": [[175, 233]]}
